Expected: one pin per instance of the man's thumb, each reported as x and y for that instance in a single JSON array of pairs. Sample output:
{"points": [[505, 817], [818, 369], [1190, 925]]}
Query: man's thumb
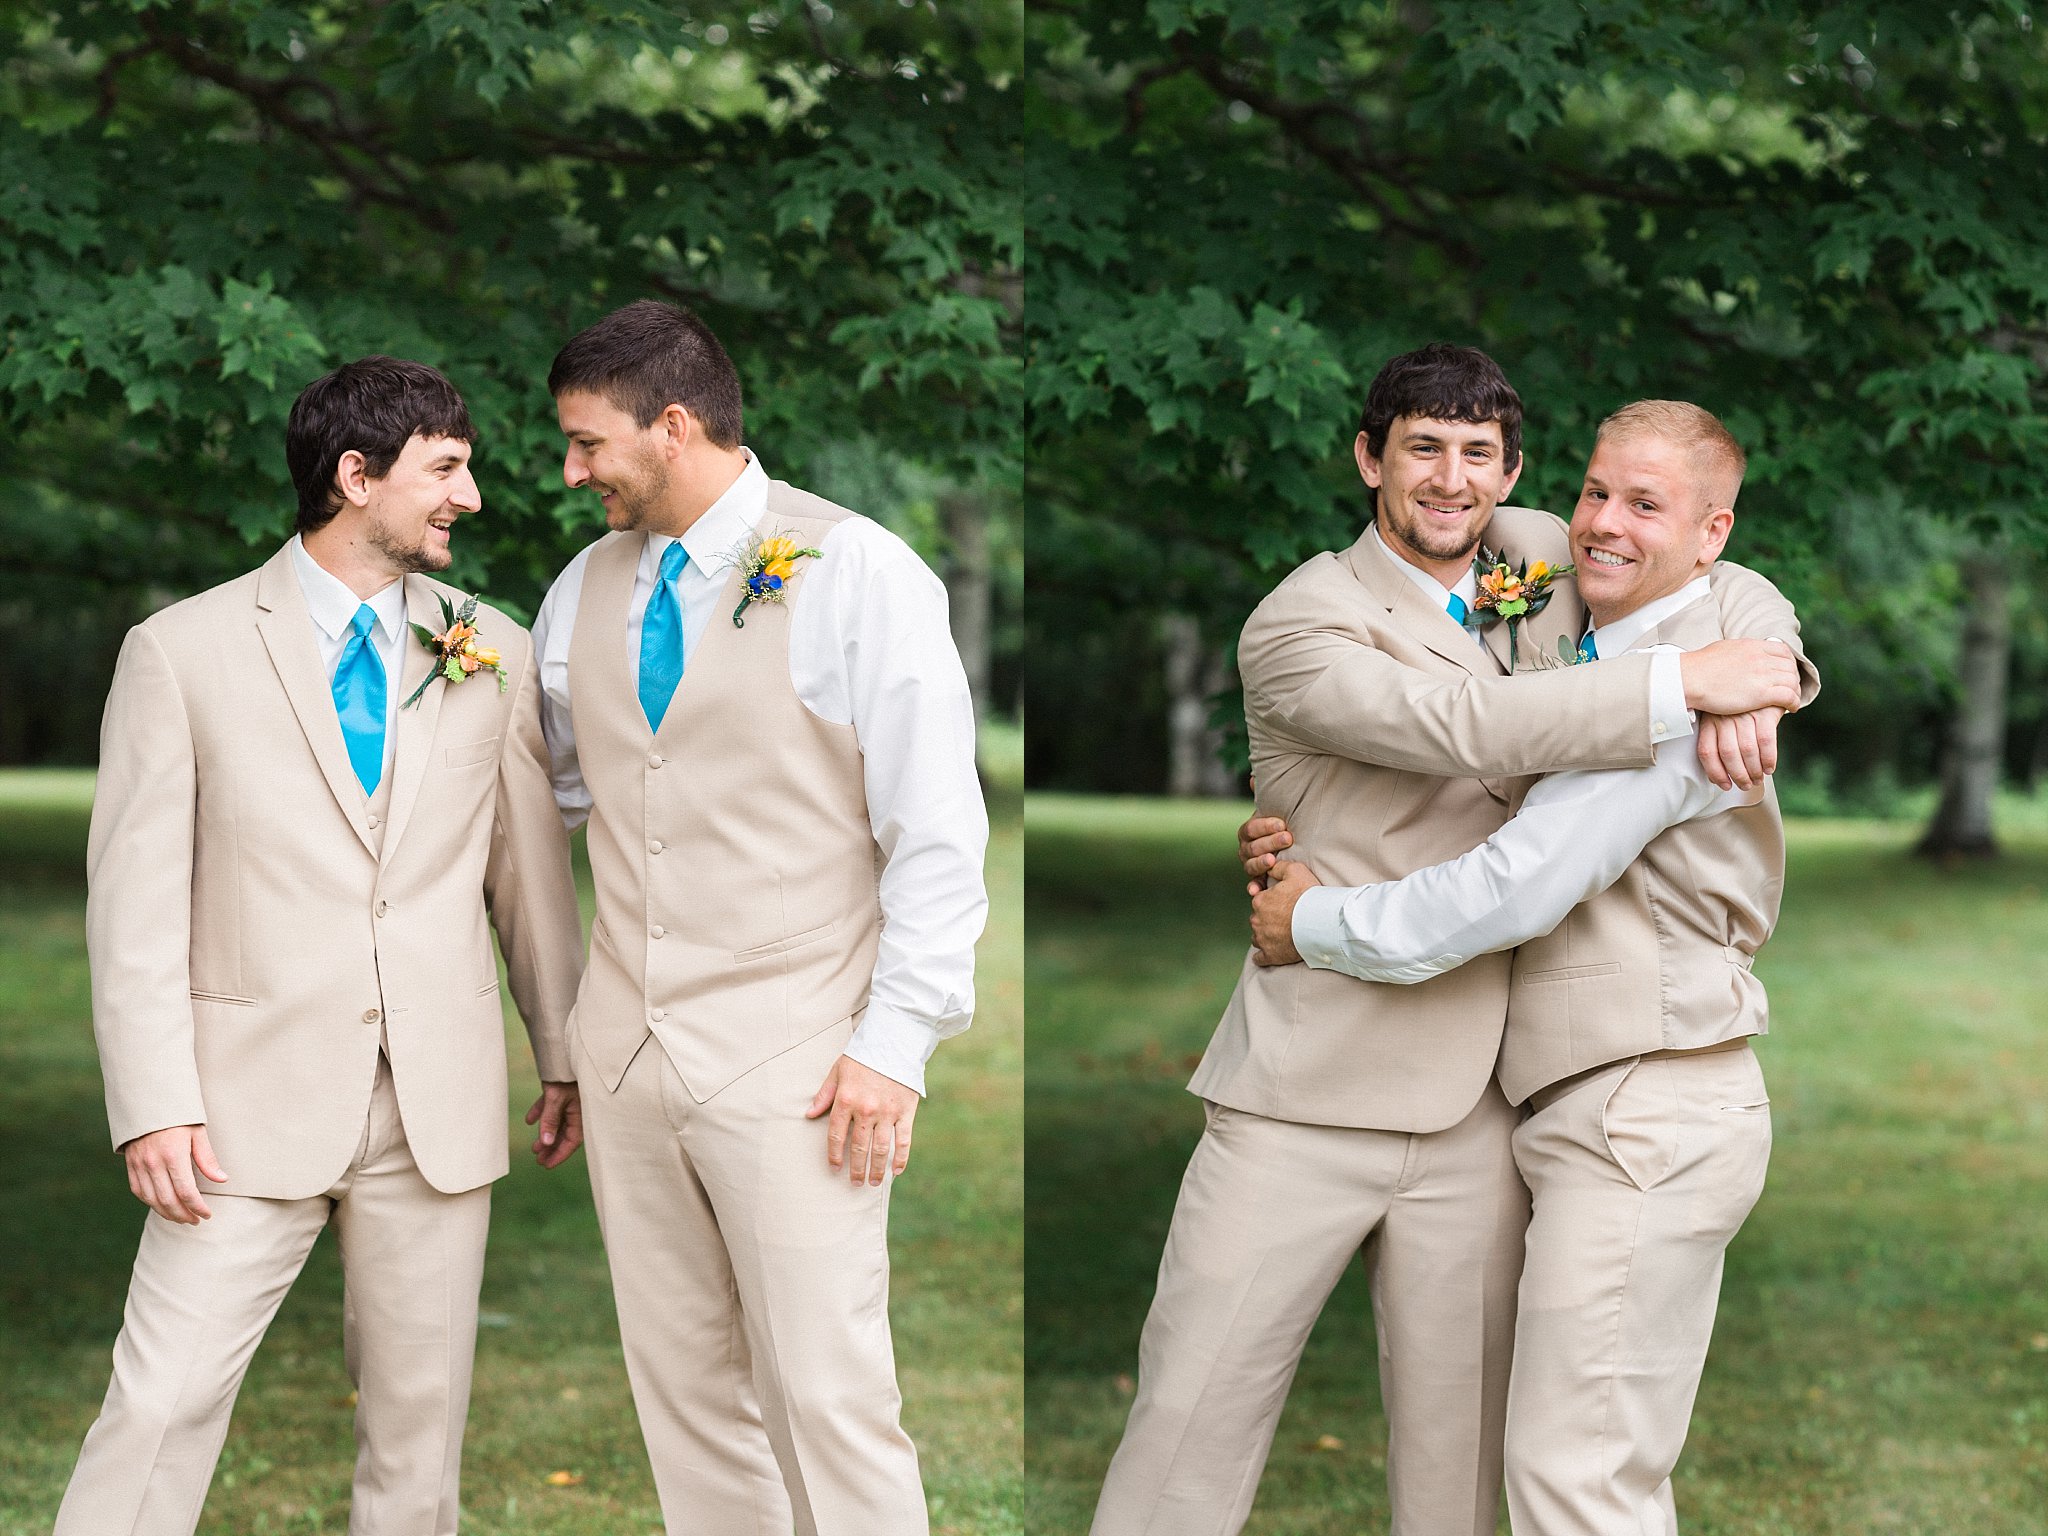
{"points": [[203, 1158]]}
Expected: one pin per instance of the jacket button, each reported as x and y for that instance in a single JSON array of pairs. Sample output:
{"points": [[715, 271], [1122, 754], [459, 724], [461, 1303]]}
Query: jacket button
{"points": [[656, 931], [654, 759], [654, 847], [656, 1015], [383, 907], [371, 1015]]}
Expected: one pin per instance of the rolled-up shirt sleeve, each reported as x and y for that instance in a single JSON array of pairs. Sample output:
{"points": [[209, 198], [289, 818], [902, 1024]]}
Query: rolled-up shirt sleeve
{"points": [[1574, 836], [870, 646]]}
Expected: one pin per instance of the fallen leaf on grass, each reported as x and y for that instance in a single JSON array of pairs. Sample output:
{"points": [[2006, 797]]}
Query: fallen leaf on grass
{"points": [[1329, 1443], [1126, 1385], [2039, 1342], [571, 1394], [564, 1479]]}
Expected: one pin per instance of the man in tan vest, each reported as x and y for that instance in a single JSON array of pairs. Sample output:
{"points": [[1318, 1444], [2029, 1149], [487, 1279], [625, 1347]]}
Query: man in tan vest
{"points": [[754, 697], [1639, 899], [1344, 1113], [293, 989]]}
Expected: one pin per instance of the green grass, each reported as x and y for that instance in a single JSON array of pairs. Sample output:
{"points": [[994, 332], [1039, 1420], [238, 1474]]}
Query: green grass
{"points": [[1881, 1361], [550, 1388]]}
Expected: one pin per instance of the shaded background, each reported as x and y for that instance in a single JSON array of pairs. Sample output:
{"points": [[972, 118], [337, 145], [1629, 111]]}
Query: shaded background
{"points": [[1829, 225], [204, 204]]}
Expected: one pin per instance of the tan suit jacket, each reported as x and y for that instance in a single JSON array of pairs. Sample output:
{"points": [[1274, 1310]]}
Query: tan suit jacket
{"points": [[256, 932], [1389, 741]]}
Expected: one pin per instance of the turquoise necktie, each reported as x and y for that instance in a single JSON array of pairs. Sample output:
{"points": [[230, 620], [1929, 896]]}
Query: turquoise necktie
{"points": [[359, 699], [661, 638], [1456, 609], [1587, 650]]}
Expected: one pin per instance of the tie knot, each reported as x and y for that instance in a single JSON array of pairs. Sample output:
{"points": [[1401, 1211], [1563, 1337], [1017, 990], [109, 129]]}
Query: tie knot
{"points": [[364, 621], [673, 559], [1456, 609]]}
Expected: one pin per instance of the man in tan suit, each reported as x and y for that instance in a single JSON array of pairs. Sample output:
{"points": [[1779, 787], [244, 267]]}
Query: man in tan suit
{"points": [[293, 989], [754, 697], [1344, 1113], [1639, 899]]}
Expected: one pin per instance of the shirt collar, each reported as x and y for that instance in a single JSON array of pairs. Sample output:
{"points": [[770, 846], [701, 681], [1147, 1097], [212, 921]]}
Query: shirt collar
{"points": [[333, 606], [726, 523], [1615, 638], [1438, 594]]}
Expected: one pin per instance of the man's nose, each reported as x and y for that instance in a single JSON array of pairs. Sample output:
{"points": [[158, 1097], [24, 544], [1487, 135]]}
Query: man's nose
{"points": [[1450, 474], [574, 475], [464, 493]]}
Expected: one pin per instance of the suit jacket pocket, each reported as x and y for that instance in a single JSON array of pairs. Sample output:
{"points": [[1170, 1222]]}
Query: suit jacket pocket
{"points": [[200, 995], [1569, 973], [470, 752], [784, 946]]}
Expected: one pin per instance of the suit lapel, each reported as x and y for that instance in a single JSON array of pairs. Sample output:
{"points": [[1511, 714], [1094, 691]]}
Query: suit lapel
{"points": [[1496, 635], [287, 630], [415, 748], [1413, 612]]}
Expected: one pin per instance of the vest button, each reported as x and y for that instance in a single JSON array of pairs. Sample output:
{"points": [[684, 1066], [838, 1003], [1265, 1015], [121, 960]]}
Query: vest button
{"points": [[371, 1015], [654, 847], [656, 931], [373, 823], [656, 1015], [654, 759]]}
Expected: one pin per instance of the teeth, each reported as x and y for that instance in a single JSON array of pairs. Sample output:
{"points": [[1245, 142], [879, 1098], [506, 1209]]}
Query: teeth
{"points": [[1605, 557]]}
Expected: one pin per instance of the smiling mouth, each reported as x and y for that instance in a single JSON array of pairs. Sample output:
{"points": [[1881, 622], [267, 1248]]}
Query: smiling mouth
{"points": [[1608, 559], [1439, 510]]}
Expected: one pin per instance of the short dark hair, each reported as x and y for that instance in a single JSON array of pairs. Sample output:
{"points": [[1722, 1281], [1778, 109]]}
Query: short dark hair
{"points": [[649, 356], [374, 405], [1446, 383]]}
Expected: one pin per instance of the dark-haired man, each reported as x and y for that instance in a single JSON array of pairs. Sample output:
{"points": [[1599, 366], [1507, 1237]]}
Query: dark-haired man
{"points": [[754, 697], [293, 989], [1345, 1114]]}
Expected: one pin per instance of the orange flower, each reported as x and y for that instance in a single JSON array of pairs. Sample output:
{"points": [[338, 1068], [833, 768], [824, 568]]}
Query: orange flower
{"points": [[1539, 570], [469, 662]]}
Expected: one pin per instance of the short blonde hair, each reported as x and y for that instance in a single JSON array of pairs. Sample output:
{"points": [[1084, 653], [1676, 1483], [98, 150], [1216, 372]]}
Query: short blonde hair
{"points": [[1717, 458]]}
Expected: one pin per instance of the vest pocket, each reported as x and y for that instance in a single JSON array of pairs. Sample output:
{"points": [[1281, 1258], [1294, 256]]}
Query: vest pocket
{"points": [[1570, 973], [200, 996], [784, 946]]}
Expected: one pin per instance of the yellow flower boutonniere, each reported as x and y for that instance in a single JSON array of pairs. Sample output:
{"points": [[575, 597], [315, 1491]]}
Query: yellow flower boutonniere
{"points": [[1513, 593], [766, 567], [456, 654]]}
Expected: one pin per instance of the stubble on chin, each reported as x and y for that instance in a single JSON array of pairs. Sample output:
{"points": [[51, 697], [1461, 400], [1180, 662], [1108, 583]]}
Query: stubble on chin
{"points": [[1448, 547], [411, 559]]}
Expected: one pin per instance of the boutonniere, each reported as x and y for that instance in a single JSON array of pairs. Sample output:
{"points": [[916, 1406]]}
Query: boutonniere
{"points": [[456, 653], [766, 566], [1513, 593]]}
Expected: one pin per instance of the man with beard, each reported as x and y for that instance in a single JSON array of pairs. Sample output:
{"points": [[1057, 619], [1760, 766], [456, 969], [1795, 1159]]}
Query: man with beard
{"points": [[293, 990], [753, 696], [1342, 1113]]}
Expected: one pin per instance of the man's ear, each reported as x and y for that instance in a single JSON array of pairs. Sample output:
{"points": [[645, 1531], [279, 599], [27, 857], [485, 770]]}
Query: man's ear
{"points": [[1368, 466], [1714, 534], [677, 428], [351, 479], [1507, 481]]}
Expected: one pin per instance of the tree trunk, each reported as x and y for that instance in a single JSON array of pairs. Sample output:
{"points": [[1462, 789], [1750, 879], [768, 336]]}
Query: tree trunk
{"points": [[1195, 674], [968, 582], [1975, 749]]}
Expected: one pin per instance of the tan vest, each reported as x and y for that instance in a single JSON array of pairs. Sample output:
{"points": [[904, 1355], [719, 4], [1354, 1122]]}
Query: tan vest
{"points": [[1661, 959], [738, 900]]}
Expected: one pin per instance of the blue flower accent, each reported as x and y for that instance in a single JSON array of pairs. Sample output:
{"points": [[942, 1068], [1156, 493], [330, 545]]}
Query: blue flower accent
{"points": [[775, 582], [759, 584]]}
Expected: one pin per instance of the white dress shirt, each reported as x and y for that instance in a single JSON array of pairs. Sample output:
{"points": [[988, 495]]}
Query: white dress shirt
{"points": [[333, 607], [869, 647], [1670, 720], [1575, 835]]}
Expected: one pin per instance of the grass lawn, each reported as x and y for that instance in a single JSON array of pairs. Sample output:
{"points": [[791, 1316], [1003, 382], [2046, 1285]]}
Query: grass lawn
{"points": [[1881, 1361], [550, 1390]]}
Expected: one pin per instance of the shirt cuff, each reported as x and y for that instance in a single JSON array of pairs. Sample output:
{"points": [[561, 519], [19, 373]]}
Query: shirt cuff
{"points": [[1670, 720], [894, 1044], [1319, 926]]}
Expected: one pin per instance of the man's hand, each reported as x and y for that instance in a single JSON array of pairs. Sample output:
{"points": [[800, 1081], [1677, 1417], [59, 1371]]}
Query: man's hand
{"points": [[1273, 912], [874, 1109], [1259, 842], [160, 1172], [1740, 750], [560, 1112], [1734, 677]]}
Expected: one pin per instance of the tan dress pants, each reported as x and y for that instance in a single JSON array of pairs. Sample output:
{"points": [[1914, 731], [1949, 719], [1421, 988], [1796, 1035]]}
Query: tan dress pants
{"points": [[753, 1292], [1639, 1175], [202, 1296], [1270, 1214]]}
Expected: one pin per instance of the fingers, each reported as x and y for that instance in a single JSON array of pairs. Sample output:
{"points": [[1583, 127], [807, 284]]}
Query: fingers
{"points": [[902, 1146], [1767, 737], [868, 1154], [187, 1191], [533, 1110], [827, 1092], [1709, 748], [835, 1134], [202, 1156], [1751, 755]]}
